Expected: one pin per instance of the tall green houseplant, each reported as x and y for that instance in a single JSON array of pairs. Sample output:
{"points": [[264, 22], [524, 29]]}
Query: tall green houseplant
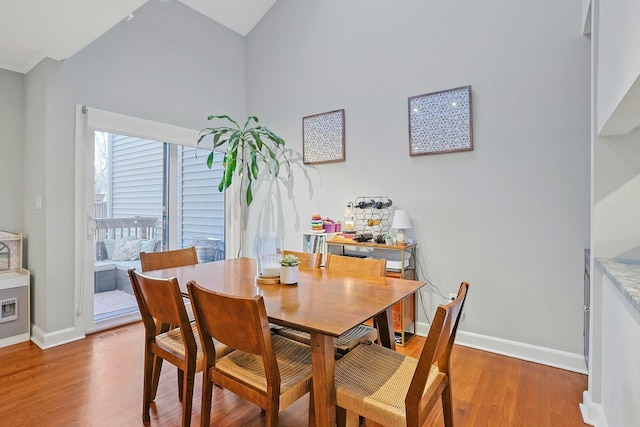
{"points": [[249, 149]]}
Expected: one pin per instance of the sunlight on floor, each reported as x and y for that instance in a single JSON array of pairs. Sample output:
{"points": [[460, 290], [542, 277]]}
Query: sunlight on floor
{"points": [[113, 303]]}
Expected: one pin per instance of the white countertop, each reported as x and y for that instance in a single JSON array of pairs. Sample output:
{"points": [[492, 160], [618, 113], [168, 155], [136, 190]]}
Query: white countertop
{"points": [[625, 275]]}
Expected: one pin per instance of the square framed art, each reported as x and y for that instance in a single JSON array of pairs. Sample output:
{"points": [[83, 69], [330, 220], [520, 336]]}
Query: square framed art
{"points": [[323, 137], [440, 122]]}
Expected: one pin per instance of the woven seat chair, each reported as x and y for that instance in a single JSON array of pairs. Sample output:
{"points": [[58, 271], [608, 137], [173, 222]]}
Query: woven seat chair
{"points": [[168, 259], [268, 370], [161, 305], [396, 390], [361, 333]]}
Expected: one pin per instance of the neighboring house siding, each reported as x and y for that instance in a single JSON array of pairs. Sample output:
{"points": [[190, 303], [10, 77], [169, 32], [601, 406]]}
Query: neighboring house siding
{"points": [[201, 213], [137, 177]]}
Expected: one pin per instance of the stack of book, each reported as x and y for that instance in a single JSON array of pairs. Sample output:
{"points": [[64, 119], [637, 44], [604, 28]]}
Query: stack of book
{"points": [[314, 244]]}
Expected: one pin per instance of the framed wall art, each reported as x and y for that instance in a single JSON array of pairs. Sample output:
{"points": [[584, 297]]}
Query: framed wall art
{"points": [[440, 122], [323, 137]]}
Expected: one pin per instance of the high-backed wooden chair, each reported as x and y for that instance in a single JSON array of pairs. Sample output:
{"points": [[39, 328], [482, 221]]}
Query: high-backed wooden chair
{"points": [[266, 369], [392, 389], [307, 259], [361, 333], [366, 266], [168, 259], [160, 303]]}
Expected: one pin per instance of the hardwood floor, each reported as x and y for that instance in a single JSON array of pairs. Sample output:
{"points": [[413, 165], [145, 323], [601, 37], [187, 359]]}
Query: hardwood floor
{"points": [[98, 382]]}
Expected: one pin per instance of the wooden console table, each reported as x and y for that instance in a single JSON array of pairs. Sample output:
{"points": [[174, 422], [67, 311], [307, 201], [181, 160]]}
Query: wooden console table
{"points": [[404, 312]]}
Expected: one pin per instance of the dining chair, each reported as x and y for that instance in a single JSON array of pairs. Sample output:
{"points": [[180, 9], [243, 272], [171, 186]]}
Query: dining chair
{"points": [[266, 369], [347, 264], [307, 259], [161, 305], [361, 333], [391, 389], [169, 259]]}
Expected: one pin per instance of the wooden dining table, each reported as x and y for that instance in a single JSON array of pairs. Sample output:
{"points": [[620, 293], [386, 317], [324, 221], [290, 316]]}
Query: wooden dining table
{"points": [[324, 303]]}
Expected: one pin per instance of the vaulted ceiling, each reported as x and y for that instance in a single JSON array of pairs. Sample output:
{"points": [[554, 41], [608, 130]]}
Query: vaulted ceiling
{"points": [[31, 30]]}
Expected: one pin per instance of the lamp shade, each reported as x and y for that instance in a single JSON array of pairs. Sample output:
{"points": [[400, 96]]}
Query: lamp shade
{"points": [[401, 220]]}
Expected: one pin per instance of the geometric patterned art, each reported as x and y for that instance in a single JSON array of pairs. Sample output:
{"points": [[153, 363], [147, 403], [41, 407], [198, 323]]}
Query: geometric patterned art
{"points": [[440, 122], [323, 137]]}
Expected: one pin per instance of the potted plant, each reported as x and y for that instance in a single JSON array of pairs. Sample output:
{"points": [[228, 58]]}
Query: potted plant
{"points": [[289, 269], [248, 148]]}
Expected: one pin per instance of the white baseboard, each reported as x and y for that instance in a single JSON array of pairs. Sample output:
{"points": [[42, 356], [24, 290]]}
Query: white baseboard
{"points": [[532, 353], [113, 322], [52, 339], [4, 342], [592, 413]]}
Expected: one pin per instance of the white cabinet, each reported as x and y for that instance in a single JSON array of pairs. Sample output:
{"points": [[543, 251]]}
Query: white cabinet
{"points": [[15, 318]]}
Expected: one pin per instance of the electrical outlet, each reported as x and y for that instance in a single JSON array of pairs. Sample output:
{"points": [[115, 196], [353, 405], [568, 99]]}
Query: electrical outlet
{"points": [[452, 297]]}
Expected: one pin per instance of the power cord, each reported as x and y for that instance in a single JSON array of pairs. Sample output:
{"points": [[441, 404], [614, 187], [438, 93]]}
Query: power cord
{"points": [[431, 285]]}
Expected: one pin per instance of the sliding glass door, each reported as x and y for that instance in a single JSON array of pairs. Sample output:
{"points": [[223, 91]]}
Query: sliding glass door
{"points": [[149, 196]]}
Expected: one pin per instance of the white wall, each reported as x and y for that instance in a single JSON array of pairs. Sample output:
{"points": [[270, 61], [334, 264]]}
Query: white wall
{"points": [[512, 216], [169, 64], [618, 66], [616, 159], [34, 184], [616, 229], [11, 150]]}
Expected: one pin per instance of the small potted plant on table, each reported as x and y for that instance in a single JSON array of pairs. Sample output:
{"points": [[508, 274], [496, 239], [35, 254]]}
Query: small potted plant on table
{"points": [[289, 269]]}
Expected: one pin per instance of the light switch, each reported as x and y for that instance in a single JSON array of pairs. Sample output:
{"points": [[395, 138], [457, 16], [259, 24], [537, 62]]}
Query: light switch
{"points": [[39, 202]]}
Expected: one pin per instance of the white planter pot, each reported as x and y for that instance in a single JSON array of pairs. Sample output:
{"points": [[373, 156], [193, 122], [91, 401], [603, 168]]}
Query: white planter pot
{"points": [[289, 275]]}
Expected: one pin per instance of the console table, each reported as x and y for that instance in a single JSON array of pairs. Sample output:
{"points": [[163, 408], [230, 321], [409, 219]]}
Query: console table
{"points": [[404, 312]]}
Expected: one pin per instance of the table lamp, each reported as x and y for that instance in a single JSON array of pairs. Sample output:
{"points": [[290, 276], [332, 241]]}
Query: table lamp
{"points": [[401, 222]]}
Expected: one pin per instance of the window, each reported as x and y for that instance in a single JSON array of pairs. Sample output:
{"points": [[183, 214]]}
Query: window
{"points": [[150, 196], [138, 180]]}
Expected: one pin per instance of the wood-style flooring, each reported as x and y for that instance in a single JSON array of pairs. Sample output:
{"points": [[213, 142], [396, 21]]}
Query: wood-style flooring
{"points": [[98, 382]]}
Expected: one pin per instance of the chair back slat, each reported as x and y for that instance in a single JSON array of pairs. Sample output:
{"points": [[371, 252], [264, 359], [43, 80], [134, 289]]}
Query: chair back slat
{"points": [[159, 300], [168, 259], [365, 266], [246, 330], [308, 260]]}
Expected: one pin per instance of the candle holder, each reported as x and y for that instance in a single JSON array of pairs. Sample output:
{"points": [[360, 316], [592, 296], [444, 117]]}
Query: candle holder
{"points": [[269, 252]]}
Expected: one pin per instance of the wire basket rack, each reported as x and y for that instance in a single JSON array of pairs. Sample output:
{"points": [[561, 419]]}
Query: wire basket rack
{"points": [[372, 215]]}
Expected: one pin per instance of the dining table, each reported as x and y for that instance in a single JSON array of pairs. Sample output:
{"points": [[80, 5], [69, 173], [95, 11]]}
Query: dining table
{"points": [[324, 303]]}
